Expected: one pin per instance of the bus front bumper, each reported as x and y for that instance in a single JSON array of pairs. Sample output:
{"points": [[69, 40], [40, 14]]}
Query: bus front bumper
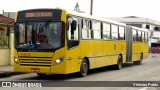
{"points": [[32, 69]]}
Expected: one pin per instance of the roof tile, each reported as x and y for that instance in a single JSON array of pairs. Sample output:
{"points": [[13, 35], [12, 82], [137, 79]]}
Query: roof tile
{"points": [[6, 20]]}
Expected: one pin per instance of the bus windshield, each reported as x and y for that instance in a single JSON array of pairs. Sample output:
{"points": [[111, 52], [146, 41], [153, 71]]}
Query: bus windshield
{"points": [[39, 35]]}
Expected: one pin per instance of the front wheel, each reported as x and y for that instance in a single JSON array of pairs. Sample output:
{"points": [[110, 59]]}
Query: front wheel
{"points": [[84, 68]]}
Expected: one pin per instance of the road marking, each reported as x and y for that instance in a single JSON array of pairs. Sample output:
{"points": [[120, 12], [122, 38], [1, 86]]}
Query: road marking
{"points": [[144, 88]]}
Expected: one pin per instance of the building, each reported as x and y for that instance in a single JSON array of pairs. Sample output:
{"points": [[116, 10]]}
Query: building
{"points": [[9, 14], [153, 26], [6, 40]]}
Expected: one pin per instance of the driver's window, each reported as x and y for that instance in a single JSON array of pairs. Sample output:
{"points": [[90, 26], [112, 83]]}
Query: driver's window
{"points": [[72, 34]]}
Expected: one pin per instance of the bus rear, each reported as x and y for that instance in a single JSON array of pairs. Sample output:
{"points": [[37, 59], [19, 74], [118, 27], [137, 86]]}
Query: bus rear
{"points": [[40, 41]]}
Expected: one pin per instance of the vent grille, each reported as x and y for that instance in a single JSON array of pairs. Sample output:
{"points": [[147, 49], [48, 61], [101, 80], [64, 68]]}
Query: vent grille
{"points": [[35, 61]]}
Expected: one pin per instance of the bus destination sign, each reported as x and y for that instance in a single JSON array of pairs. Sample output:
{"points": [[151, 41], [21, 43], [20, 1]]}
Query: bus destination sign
{"points": [[39, 14]]}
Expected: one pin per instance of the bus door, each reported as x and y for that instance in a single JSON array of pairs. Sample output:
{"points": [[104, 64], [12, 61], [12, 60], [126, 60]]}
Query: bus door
{"points": [[73, 45]]}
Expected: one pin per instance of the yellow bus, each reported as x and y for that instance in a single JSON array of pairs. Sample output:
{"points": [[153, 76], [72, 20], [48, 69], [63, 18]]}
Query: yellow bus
{"points": [[54, 41]]}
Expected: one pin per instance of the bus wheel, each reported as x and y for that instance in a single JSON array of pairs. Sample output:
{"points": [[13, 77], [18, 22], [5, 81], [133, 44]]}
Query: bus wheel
{"points": [[119, 63], [84, 68], [139, 62], [41, 75]]}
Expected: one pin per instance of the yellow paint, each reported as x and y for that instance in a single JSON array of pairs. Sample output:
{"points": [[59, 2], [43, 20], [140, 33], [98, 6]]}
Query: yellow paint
{"points": [[138, 48]]}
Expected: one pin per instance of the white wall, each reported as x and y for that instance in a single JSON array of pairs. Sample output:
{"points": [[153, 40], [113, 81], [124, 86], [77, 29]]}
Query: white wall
{"points": [[4, 56], [11, 48]]}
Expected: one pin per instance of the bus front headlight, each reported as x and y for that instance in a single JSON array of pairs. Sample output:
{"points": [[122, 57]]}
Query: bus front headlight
{"points": [[16, 60], [58, 61]]}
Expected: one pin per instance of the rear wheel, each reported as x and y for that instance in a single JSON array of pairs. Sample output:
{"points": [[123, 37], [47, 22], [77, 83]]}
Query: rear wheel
{"points": [[139, 62], [119, 63], [84, 68]]}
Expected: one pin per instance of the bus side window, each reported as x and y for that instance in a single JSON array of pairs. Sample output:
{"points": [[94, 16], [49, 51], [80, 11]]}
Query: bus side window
{"points": [[121, 33], [86, 30], [134, 35], [114, 30]]}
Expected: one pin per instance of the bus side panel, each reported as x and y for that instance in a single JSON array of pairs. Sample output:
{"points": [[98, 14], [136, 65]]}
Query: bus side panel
{"points": [[97, 51], [86, 51], [121, 49], [137, 48], [145, 50], [109, 52], [73, 61]]}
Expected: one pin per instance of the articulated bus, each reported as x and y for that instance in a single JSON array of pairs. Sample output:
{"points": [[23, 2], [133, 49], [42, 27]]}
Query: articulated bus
{"points": [[54, 41]]}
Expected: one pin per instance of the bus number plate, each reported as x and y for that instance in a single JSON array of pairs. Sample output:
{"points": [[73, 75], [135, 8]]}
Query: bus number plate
{"points": [[35, 70]]}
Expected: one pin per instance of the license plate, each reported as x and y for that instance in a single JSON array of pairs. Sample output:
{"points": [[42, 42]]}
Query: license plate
{"points": [[35, 70]]}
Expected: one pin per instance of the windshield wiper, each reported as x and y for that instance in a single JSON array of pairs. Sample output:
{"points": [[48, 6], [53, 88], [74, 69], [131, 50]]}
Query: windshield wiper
{"points": [[44, 26]]}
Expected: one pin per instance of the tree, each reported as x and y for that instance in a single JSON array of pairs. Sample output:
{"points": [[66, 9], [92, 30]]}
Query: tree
{"points": [[158, 40]]}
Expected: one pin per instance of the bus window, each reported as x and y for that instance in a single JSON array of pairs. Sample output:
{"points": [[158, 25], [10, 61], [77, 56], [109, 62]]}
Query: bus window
{"points": [[114, 29], [134, 35], [22, 33], [29, 33], [44, 36], [96, 27], [73, 34], [86, 31], [106, 31], [121, 33], [143, 37], [146, 37], [139, 36]]}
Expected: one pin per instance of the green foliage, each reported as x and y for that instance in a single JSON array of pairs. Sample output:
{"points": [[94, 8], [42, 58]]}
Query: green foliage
{"points": [[158, 40]]}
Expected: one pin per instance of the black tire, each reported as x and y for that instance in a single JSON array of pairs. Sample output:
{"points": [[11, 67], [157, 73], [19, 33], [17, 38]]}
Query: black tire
{"points": [[119, 63], [139, 62], [84, 68], [41, 75]]}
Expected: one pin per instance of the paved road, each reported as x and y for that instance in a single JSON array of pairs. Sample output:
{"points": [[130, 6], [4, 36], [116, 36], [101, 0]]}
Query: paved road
{"points": [[148, 71]]}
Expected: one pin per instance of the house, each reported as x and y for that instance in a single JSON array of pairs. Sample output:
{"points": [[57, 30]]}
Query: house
{"points": [[6, 40]]}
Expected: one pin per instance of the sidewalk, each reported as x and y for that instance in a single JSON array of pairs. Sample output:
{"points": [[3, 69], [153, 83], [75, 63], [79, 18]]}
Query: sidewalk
{"points": [[7, 71], [154, 55]]}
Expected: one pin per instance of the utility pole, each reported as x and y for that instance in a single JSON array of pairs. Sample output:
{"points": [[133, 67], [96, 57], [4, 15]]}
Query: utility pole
{"points": [[91, 8]]}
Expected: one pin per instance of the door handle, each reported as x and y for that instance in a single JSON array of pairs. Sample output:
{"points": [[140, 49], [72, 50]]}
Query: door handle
{"points": [[114, 47], [69, 58]]}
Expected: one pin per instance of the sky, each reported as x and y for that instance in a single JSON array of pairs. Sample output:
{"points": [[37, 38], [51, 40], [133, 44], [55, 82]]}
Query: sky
{"points": [[102, 8]]}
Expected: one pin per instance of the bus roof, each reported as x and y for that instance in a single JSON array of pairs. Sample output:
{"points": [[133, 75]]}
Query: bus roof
{"points": [[96, 18], [141, 29], [81, 15]]}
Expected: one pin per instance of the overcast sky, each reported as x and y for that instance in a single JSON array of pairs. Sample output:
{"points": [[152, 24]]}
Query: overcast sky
{"points": [[103, 8]]}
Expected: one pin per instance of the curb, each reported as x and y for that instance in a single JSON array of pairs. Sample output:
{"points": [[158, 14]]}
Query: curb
{"points": [[7, 74]]}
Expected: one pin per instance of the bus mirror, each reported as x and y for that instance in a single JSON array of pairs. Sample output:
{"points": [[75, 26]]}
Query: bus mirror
{"points": [[73, 25]]}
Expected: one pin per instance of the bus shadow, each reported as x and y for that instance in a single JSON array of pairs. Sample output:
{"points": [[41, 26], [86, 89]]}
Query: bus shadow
{"points": [[61, 77], [109, 68]]}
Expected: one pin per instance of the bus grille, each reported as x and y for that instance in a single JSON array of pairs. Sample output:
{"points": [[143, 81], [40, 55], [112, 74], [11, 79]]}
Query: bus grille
{"points": [[35, 61]]}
